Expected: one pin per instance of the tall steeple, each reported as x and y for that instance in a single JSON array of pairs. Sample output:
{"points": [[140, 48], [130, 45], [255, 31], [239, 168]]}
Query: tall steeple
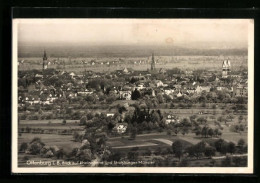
{"points": [[44, 60], [153, 63], [44, 55]]}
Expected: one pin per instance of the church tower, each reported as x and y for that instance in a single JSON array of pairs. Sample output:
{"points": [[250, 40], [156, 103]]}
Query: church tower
{"points": [[226, 68], [152, 63], [44, 61]]}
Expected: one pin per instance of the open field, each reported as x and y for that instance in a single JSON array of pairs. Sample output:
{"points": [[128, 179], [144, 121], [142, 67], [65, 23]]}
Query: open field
{"points": [[42, 122], [182, 113], [54, 127], [62, 141], [51, 124], [179, 112], [143, 141]]}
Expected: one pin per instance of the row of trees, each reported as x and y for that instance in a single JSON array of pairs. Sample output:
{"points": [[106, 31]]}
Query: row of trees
{"points": [[210, 97], [206, 131], [48, 131], [204, 149], [185, 152], [238, 128]]}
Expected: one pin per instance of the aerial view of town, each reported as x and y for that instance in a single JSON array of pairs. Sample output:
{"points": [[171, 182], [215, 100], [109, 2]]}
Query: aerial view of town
{"points": [[145, 105]]}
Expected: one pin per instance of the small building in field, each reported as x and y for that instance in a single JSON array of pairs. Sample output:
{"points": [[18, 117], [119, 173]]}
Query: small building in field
{"points": [[125, 95], [191, 90], [169, 91], [171, 119], [158, 83], [110, 114], [72, 74], [92, 62], [199, 89], [38, 76], [120, 128], [179, 94], [84, 92]]}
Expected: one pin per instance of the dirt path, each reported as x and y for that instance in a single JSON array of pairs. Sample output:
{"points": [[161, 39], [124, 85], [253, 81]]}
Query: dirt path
{"points": [[234, 155], [191, 140], [168, 142], [141, 135], [139, 145]]}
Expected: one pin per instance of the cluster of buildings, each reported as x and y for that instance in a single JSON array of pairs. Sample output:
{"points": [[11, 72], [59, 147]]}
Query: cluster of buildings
{"points": [[152, 82]]}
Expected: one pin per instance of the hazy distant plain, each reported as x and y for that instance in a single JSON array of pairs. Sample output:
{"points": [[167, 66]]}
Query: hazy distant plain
{"points": [[166, 62]]}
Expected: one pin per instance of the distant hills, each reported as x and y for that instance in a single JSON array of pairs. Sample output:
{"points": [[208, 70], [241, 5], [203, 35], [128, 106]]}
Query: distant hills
{"points": [[59, 50]]}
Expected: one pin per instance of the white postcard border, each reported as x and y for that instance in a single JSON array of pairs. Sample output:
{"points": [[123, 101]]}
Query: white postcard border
{"points": [[194, 170]]}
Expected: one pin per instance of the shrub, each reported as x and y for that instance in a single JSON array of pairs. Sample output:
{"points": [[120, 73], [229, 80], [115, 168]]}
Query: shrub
{"points": [[231, 147], [90, 116], [221, 146], [73, 153], [184, 163], [25, 158], [212, 163], [28, 129], [158, 151], [60, 154], [49, 154], [226, 162], [210, 151], [76, 136], [84, 155], [35, 148], [83, 120], [241, 142], [44, 150], [148, 152], [35, 117], [23, 147], [134, 148], [242, 146], [177, 149], [37, 140], [133, 133], [169, 132], [132, 156], [197, 150], [115, 156], [240, 161], [23, 117], [160, 130]]}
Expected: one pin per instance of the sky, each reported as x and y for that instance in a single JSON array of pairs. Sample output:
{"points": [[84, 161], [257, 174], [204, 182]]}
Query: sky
{"points": [[134, 31]]}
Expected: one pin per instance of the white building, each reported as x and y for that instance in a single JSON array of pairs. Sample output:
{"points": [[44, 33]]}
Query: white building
{"points": [[126, 95], [158, 83], [225, 68]]}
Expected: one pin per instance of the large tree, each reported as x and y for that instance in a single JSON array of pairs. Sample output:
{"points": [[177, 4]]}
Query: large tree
{"points": [[135, 95], [210, 151], [177, 149], [231, 147]]}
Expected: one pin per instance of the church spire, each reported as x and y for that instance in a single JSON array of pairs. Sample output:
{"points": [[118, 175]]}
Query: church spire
{"points": [[44, 60], [44, 55], [153, 63]]}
